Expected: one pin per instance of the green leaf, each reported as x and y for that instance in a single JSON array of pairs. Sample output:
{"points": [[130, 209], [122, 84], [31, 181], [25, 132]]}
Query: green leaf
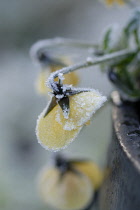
{"points": [[133, 27], [106, 39]]}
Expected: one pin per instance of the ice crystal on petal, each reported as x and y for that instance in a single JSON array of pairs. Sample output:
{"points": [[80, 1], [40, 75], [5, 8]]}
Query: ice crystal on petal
{"points": [[59, 96], [60, 76], [50, 133], [66, 113], [82, 107], [60, 127]]}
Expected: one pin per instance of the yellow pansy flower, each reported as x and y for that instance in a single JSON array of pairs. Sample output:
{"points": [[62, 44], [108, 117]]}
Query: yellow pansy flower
{"points": [[55, 131], [68, 191], [110, 2]]}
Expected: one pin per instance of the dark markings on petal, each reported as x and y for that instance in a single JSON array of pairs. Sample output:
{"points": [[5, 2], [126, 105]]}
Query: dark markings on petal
{"points": [[51, 105], [65, 106]]}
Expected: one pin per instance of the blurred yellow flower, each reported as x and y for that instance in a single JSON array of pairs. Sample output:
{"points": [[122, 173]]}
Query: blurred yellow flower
{"points": [[40, 82], [110, 2], [68, 191], [70, 79], [91, 170], [55, 132]]}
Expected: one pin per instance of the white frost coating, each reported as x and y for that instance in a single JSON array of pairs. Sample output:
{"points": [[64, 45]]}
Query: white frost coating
{"points": [[52, 76], [66, 113], [57, 149], [43, 45], [61, 76], [82, 107], [89, 59], [57, 130], [54, 149], [59, 96], [66, 87]]}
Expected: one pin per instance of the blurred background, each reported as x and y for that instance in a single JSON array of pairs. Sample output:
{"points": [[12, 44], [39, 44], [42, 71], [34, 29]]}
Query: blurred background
{"points": [[23, 23]]}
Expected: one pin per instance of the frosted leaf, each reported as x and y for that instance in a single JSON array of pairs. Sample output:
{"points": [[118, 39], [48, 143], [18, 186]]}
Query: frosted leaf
{"points": [[50, 133], [82, 107], [72, 191]]}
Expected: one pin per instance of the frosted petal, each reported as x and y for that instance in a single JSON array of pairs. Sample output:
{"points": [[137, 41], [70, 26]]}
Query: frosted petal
{"points": [[82, 107], [51, 134], [40, 83]]}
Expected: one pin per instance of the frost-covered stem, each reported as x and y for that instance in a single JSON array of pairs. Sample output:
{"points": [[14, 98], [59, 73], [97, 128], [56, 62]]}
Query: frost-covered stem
{"points": [[89, 62], [56, 42]]}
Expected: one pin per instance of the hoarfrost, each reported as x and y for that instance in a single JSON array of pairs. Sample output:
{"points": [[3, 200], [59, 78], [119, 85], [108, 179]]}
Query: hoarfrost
{"points": [[61, 76], [51, 135], [82, 107], [66, 87], [89, 59], [59, 96], [66, 113]]}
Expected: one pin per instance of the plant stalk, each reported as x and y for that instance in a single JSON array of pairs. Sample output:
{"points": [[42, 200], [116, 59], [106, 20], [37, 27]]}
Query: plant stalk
{"points": [[43, 45], [89, 62]]}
